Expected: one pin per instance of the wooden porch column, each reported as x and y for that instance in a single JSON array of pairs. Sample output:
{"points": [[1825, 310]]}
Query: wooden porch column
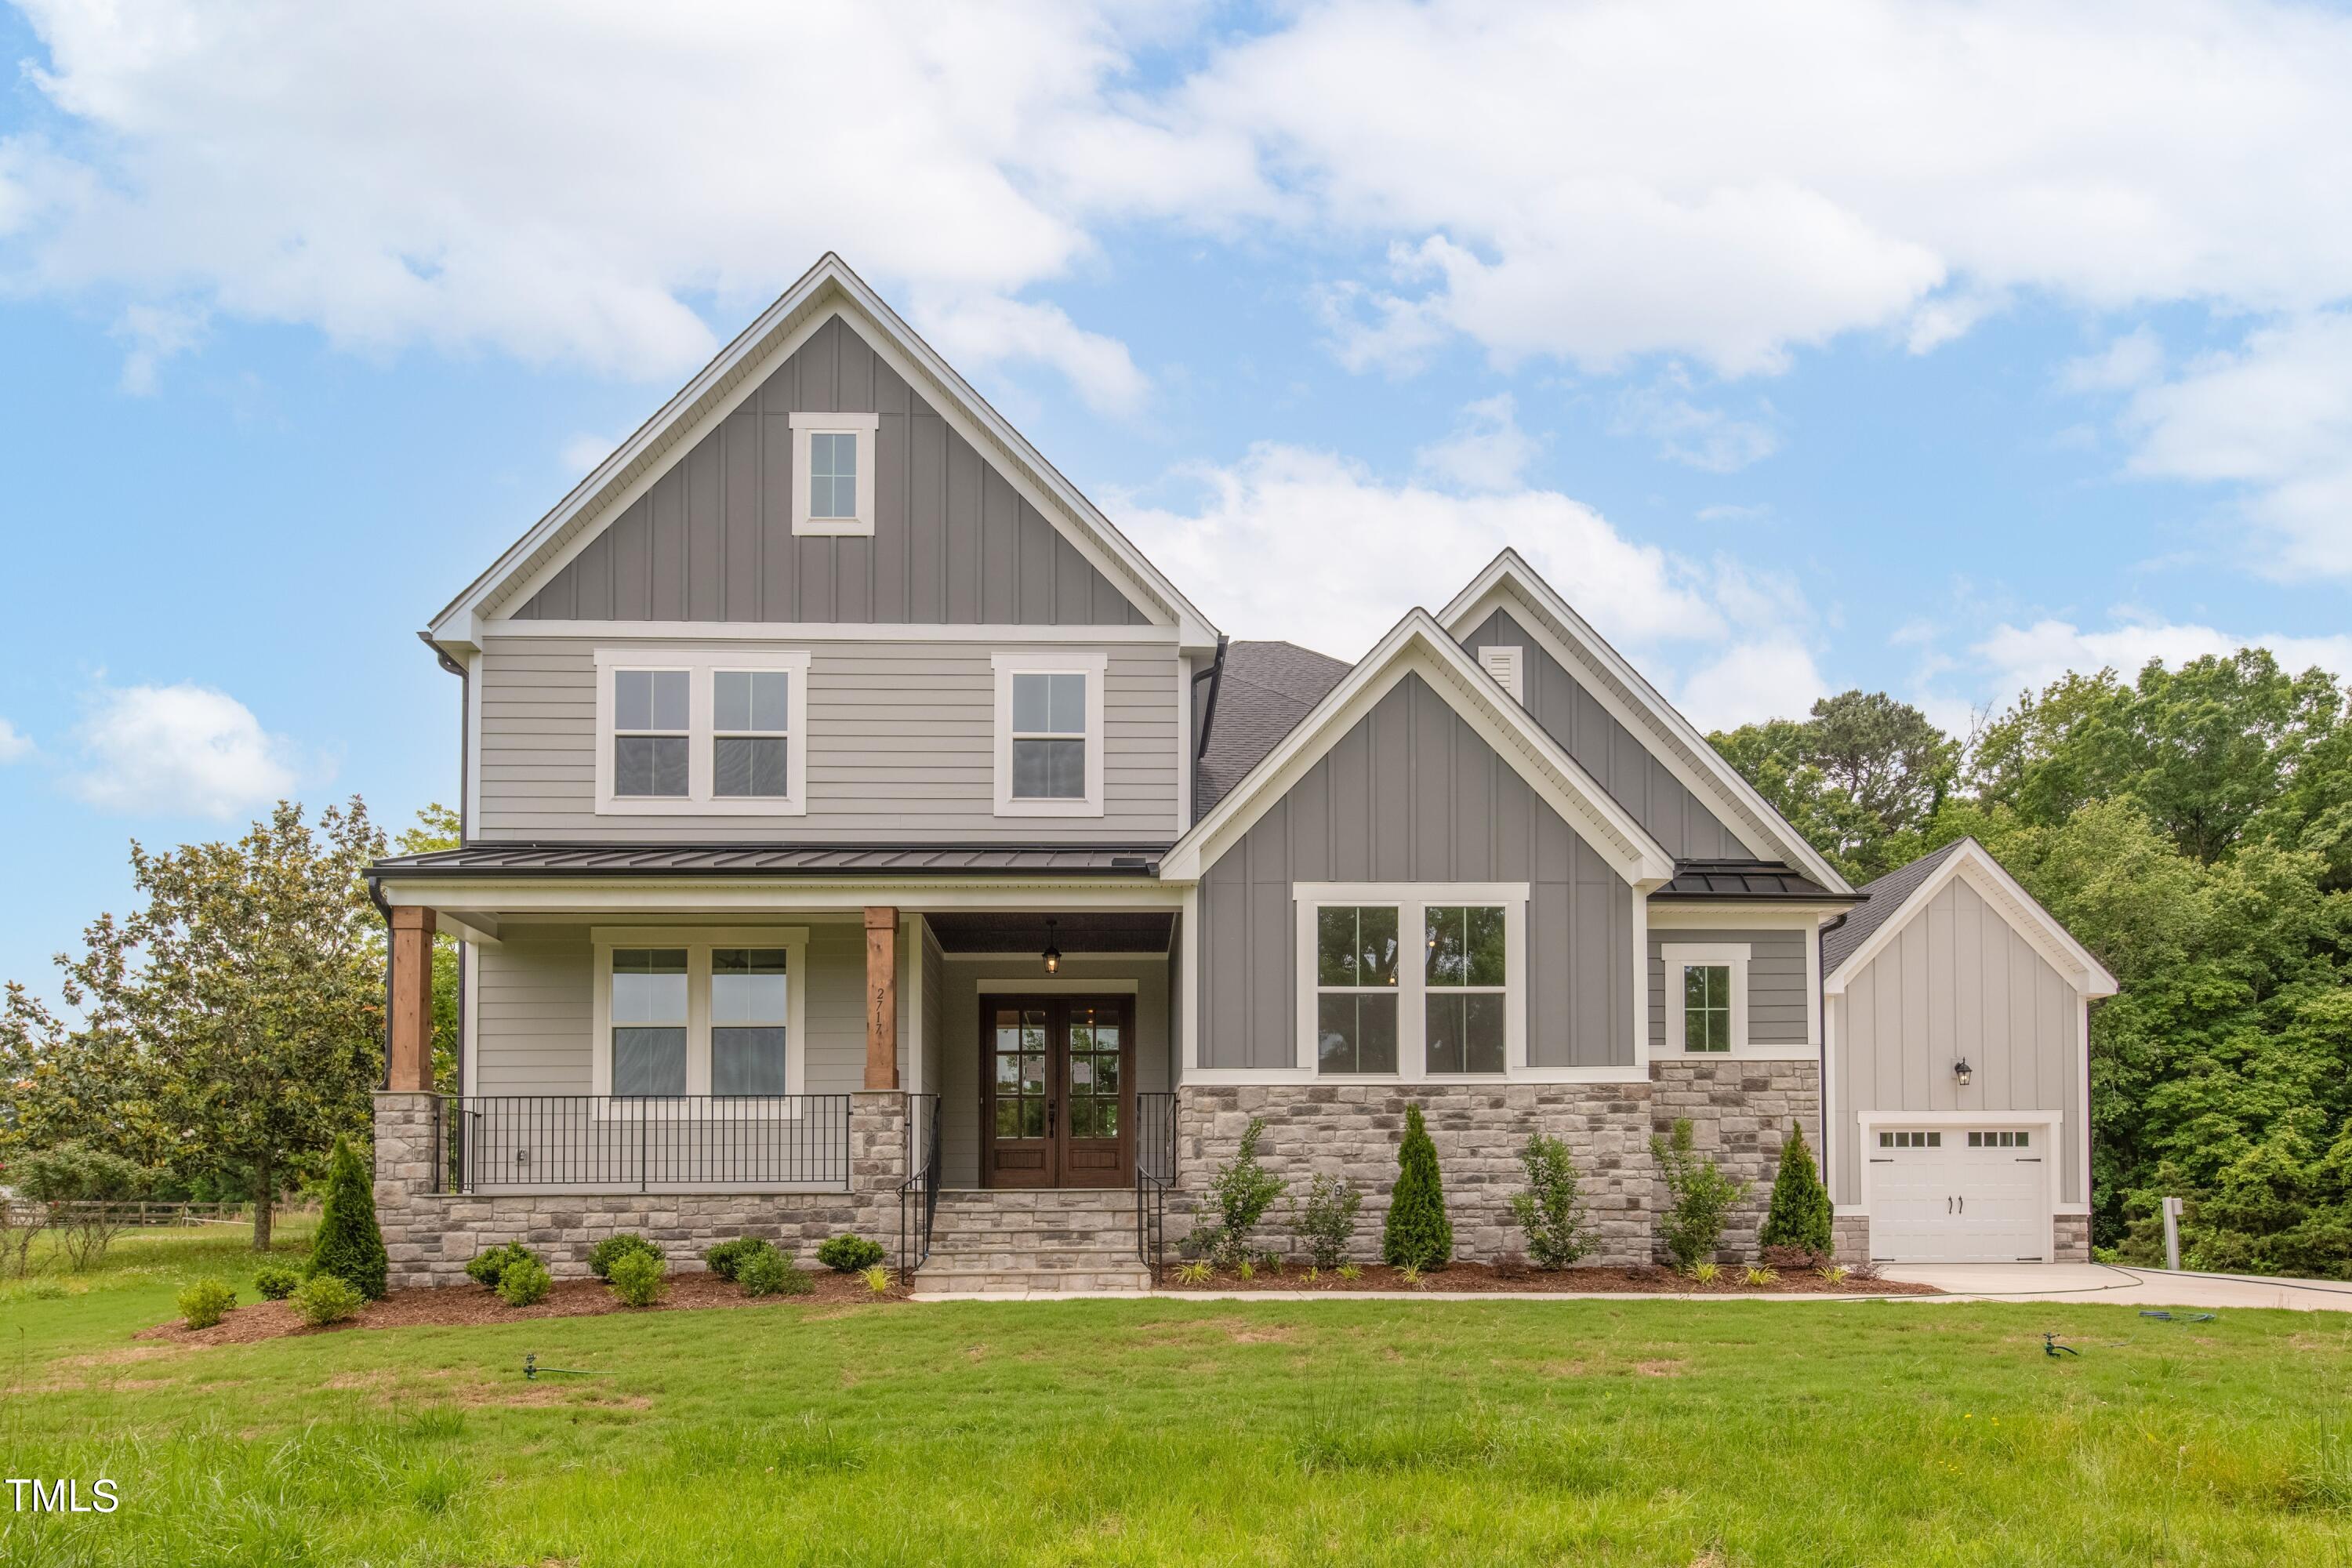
{"points": [[409, 1051], [881, 998]]}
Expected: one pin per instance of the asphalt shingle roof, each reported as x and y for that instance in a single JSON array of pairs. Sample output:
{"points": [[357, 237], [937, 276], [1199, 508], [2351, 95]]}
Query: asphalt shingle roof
{"points": [[1883, 897], [1267, 687]]}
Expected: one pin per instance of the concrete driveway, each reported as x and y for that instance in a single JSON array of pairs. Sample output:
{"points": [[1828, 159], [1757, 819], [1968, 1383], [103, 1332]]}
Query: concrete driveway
{"points": [[2115, 1286]]}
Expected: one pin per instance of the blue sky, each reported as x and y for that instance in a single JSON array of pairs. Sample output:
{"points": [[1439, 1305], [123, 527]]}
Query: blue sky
{"points": [[1920, 348]]}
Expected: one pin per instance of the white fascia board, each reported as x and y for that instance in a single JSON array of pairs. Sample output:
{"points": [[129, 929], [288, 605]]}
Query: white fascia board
{"points": [[974, 633], [721, 385], [1667, 916], [1973, 863], [1687, 755], [738, 895], [1417, 645]]}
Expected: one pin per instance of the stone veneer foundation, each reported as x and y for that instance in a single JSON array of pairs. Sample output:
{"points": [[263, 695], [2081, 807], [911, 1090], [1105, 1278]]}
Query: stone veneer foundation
{"points": [[430, 1235], [1740, 1111]]}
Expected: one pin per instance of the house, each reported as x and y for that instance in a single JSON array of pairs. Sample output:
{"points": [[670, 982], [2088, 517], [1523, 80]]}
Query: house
{"points": [[861, 833]]}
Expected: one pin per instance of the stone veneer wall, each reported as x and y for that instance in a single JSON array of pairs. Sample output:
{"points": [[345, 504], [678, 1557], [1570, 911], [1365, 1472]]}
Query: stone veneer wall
{"points": [[1740, 1111], [2069, 1235], [430, 1237]]}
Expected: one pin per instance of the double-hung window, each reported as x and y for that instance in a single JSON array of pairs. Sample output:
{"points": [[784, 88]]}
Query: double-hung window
{"points": [[1371, 1005], [1049, 732], [1705, 988], [833, 473], [651, 745], [701, 730], [698, 1010]]}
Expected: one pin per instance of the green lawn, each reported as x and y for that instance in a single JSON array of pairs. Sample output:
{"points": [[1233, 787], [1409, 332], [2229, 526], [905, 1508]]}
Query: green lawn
{"points": [[1138, 1432]]}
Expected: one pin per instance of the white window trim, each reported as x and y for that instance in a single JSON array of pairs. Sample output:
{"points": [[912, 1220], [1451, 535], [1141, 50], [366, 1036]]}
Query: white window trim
{"points": [[1505, 664], [1673, 956], [1092, 663], [862, 426], [700, 666], [699, 940], [1411, 900]]}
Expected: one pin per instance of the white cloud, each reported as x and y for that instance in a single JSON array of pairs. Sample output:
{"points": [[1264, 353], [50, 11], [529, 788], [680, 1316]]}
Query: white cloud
{"points": [[1487, 450], [2132, 360], [1302, 544], [2275, 417], [155, 333], [1686, 433], [2022, 658], [14, 746], [178, 750], [984, 331]]}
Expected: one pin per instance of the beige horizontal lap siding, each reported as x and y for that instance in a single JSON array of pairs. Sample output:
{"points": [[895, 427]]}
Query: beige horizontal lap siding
{"points": [[534, 1024], [1776, 983], [1957, 983], [900, 746]]}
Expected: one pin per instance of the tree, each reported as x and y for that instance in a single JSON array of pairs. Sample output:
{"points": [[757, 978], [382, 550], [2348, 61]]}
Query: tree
{"points": [[1700, 1197], [253, 1016], [1551, 1210], [1860, 778], [82, 1189], [347, 1245], [1800, 1212], [1417, 1234], [438, 827]]}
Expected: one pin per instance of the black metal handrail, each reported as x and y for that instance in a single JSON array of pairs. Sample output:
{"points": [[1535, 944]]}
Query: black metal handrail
{"points": [[919, 1194], [645, 1142], [1155, 1172]]}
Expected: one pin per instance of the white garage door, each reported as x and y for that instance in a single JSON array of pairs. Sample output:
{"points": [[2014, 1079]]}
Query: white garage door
{"points": [[1967, 1194]]}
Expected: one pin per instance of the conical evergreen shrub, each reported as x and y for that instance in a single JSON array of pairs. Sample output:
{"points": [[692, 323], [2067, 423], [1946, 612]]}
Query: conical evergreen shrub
{"points": [[347, 1245], [1799, 1215], [1418, 1235]]}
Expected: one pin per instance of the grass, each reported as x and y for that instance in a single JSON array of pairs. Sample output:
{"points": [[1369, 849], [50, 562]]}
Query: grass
{"points": [[1339, 1431]]}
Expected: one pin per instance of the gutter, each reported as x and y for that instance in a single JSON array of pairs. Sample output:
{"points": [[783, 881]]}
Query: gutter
{"points": [[465, 807]]}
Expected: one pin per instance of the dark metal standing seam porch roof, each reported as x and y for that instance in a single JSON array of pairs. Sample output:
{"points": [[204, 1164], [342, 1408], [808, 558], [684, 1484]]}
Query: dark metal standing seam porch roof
{"points": [[492, 861], [1744, 881]]}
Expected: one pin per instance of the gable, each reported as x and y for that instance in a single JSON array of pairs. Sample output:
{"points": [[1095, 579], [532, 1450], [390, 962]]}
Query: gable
{"points": [[1636, 776], [953, 542], [1899, 903]]}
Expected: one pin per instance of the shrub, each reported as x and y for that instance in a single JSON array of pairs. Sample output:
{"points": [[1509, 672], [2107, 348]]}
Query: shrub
{"points": [[490, 1265], [1551, 1211], [1759, 1275], [724, 1258], [1328, 1219], [1833, 1273], [605, 1253], [1800, 1215], [328, 1299], [1418, 1235], [1350, 1271], [347, 1245], [1407, 1275], [1241, 1191], [878, 1279], [849, 1254], [1196, 1272], [1706, 1270], [1701, 1196], [78, 1186], [764, 1271], [638, 1278], [206, 1302], [276, 1282], [524, 1281]]}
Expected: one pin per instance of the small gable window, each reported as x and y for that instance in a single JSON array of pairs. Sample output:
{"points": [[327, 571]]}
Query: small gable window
{"points": [[1049, 733], [833, 473]]}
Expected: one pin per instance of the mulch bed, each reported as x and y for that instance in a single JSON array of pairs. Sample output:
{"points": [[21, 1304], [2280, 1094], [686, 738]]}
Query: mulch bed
{"points": [[469, 1304], [1483, 1279]]}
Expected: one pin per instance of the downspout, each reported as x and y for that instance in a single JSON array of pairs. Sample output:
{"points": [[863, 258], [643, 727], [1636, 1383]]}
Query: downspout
{"points": [[464, 806], [1215, 675], [1822, 1009]]}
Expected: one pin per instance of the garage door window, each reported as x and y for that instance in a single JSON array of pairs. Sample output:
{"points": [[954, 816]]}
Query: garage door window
{"points": [[2001, 1140], [1910, 1139]]}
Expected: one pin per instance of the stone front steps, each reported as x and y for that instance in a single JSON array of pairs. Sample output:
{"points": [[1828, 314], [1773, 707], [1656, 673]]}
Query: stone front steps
{"points": [[1041, 1239]]}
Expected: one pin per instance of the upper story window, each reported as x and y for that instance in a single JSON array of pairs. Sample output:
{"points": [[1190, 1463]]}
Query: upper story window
{"points": [[1368, 1006], [833, 473], [1049, 732], [650, 740], [701, 731], [1707, 995]]}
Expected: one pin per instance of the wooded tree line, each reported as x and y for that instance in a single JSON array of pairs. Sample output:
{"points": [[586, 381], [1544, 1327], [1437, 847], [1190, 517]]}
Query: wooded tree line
{"points": [[2193, 827], [221, 1037]]}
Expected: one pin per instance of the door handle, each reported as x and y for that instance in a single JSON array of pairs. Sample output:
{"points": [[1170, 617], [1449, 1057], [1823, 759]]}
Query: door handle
{"points": [[1052, 1109]]}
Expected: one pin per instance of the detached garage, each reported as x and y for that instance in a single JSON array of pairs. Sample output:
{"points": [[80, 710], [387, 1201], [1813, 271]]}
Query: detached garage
{"points": [[1956, 1067]]}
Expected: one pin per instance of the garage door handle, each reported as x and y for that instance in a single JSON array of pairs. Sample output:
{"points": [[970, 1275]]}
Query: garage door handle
{"points": [[1964, 1203], [1947, 1206]]}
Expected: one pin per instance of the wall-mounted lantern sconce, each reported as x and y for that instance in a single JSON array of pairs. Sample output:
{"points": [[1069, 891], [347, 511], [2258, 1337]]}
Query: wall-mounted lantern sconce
{"points": [[1052, 953], [1962, 1072]]}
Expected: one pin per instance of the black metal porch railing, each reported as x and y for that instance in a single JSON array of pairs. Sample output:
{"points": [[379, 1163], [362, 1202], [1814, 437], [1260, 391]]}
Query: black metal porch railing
{"points": [[1155, 1172], [919, 1194], [621, 1143]]}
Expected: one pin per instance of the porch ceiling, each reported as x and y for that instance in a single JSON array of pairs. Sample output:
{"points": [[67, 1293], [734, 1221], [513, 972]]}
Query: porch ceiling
{"points": [[1090, 931]]}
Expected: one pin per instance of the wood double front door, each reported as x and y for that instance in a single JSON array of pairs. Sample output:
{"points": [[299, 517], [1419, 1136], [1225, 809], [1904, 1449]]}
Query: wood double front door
{"points": [[1057, 1091]]}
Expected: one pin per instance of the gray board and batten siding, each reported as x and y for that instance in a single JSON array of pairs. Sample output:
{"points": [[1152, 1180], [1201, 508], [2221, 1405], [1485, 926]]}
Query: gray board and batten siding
{"points": [[953, 544], [901, 749], [1957, 983], [1776, 985], [1611, 754], [1413, 793]]}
